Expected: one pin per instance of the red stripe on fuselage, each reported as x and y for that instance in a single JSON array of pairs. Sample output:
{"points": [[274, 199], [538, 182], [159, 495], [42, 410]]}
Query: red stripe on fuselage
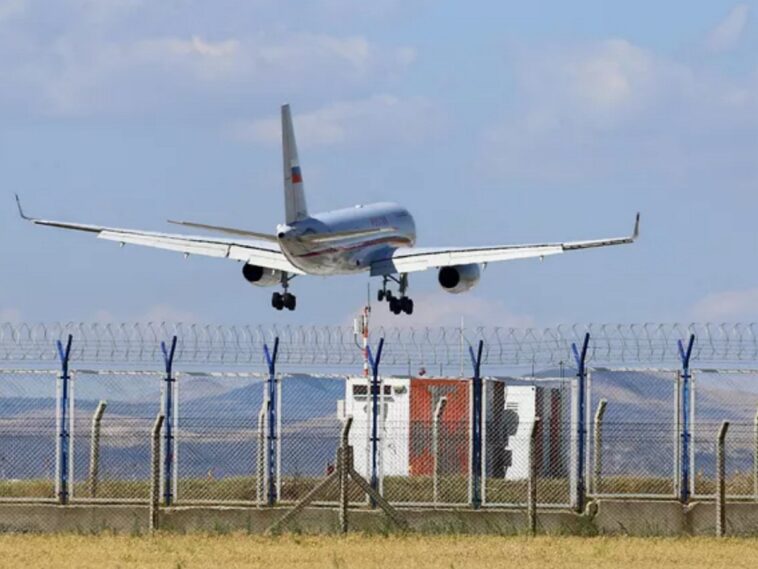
{"points": [[394, 240]]}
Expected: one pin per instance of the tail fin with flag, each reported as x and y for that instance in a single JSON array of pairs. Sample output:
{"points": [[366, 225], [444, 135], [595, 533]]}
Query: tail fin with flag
{"points": [[294, 192]]}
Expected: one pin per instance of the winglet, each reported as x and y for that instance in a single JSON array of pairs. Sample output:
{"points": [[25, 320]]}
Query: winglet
{"points": [[636, 232], [21, 210]]}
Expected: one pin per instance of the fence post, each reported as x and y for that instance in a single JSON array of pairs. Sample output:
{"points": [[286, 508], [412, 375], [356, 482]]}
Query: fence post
{"points": [[438, 410], [260, 474], [684, 461], [168, 421], [94, 449], [272, 436], [155, 471], [597, 462], [63, 438], [375, 388], [344, 464], [755, 456], [581, 374], [721, 481], [476, 426], [531, 504]]}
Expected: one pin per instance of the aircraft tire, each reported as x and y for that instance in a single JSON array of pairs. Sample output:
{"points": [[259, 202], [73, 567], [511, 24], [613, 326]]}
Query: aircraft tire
{"points": [[277, 301], [406, 304], [395, 307], [289, 301]]}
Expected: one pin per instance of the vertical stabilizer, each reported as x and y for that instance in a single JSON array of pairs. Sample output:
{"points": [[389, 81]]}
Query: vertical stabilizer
{"points": [[294, 192]]}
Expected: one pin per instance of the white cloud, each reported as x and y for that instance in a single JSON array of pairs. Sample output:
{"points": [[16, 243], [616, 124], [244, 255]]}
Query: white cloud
{"points": [[727, 34], [732, 305], [97, 63], [196, 46], [612, 110], [437, 309], [377, 118]]}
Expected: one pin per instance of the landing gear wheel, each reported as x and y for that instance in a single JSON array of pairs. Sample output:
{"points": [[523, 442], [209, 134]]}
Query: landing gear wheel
{"points": [[289, 301], [277, 301], [395, 307], [406, 305], [380, 295], [388, 296]]}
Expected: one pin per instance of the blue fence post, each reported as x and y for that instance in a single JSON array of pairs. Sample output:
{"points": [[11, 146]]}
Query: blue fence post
{"points": [[684, 474], [476, 426], [272, 424], [374, 363], [581, 374], [168, 422], [63, 440]]}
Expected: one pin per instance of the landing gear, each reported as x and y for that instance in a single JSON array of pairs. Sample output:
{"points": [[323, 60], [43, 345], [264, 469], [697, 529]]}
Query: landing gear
{"points": [[286, 300], [400, 303]]}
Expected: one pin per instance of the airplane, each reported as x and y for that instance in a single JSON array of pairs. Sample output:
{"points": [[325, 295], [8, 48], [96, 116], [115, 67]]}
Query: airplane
{"points": [[378, 238]]}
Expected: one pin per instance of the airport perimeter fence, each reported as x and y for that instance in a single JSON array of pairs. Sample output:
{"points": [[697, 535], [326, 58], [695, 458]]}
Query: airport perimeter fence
{"points": [[83, 432]]}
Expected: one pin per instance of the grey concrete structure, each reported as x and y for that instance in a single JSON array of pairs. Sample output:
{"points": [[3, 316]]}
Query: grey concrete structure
{"points": [[627, 517]]}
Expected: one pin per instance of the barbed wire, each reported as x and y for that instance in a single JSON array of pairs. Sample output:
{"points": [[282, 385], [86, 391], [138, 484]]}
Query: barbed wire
{"points": [[337, 346]]}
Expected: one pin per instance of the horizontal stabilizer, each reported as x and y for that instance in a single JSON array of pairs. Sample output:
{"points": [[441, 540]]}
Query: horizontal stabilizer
{"points": [[227, 230]]}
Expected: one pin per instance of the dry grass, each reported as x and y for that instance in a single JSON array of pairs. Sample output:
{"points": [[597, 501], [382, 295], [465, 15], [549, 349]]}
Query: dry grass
{"points": [[292, 551]]}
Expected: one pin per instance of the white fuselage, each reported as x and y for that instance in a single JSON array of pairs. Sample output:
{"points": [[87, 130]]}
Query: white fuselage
{"points": [[350, 254]]}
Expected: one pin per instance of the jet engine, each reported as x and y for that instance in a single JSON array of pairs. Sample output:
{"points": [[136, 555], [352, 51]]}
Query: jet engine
{"points": [[459, 278], [260, 276]]}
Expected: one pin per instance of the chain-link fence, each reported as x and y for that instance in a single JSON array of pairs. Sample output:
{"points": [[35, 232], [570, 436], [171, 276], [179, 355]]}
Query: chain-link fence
{"points": [[717, 396], [633, 432], [260, 438], [27, 434]]}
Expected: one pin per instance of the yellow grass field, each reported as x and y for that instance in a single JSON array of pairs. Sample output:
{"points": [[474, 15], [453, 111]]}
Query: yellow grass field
{"points": [[292, 551]]}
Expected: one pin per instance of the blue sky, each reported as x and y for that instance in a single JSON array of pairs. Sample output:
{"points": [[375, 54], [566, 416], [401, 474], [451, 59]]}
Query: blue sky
{"points": [[493, 122]]}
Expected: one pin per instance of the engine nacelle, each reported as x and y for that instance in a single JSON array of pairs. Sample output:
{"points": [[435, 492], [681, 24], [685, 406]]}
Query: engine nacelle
{"points": [[261, 276], [459, 278]]}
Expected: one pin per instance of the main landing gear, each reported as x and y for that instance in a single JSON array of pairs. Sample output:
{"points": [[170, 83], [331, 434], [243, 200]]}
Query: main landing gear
{"points": [[400, 303], [284, 299]]}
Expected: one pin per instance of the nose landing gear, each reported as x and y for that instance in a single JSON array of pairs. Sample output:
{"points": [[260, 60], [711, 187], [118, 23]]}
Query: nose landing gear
{"points": [[397, 304]]}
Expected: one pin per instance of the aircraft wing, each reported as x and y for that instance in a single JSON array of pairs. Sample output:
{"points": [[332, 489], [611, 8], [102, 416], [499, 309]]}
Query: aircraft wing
{"points": [[408, 260], [259, 253]]}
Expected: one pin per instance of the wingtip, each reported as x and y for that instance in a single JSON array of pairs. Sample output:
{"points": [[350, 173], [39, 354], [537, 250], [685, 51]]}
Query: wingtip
{"points": [[21, 209], [636, 232]]}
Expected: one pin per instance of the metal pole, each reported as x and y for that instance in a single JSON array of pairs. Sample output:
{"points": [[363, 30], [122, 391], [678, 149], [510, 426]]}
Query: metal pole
{"points": [[168, 422], [344, 464], [684, 476], [677, 433], [755, 456], [63, 434], [597, 466], [155, 471], [94, 449], [375, 387], [272, 423], [720, 481], [278, 410], [438, 410], [581, 374], [531, 505], [260, 474], [476, 426]]}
